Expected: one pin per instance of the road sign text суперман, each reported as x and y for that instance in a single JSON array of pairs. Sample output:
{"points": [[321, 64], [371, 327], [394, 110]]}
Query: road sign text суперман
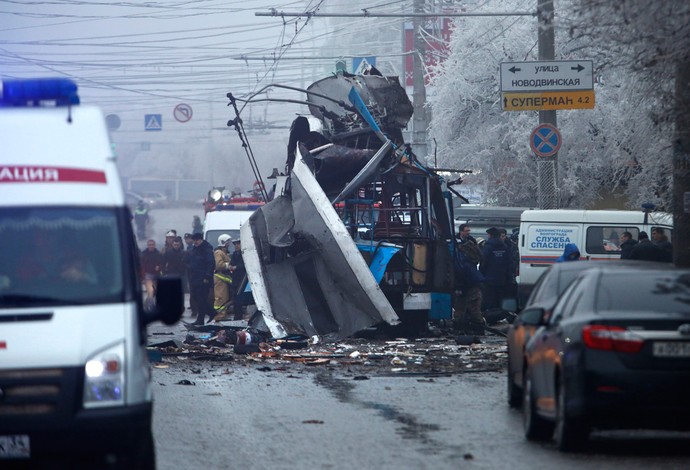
{"points": [[548, 101]]}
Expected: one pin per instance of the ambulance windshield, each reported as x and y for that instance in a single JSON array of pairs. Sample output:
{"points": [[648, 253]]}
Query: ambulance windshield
{"points": [[59, 256]]}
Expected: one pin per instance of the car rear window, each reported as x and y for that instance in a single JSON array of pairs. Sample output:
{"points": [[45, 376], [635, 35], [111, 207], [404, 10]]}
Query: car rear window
{"points": [[552, 284], [660, 292]]}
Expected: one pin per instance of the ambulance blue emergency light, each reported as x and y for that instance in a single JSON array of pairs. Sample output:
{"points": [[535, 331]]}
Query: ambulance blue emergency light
{"points": [[31, 92]]}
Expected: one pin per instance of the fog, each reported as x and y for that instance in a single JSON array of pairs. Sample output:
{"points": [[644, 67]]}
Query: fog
{"points": [[135, 59]]}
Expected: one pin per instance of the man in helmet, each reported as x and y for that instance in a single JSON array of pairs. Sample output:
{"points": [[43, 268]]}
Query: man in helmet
{"points": [[222, 278]]}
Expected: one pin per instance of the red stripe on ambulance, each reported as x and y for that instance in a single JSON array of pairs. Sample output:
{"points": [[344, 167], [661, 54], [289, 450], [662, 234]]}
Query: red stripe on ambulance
{"points": [[49, 174]]}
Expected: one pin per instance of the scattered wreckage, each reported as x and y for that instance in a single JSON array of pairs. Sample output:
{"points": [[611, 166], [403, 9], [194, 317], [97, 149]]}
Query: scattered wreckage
{"points": [[358, 232], [440, 354]]}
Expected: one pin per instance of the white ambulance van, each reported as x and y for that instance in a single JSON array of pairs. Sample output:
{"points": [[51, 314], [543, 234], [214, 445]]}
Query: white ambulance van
{"points": [[219, 222], [75, 380], [544, 234]]}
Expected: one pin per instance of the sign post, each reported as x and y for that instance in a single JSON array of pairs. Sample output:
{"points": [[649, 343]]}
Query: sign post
{"points": [[547, 85]]}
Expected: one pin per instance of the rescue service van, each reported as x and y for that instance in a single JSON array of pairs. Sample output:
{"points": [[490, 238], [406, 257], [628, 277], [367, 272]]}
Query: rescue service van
{"points": [[217, 223], [544, 234], [74, 373]]}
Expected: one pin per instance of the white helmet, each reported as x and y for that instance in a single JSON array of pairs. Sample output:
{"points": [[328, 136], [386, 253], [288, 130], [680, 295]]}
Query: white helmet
{"points": [[224, 239]]}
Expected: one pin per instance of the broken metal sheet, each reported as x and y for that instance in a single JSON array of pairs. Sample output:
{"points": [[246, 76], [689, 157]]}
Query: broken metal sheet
{"points": [[381, 255], [361, 107], [335, 165], [387, 100], [255, 272], [319, 285], [366, 173], [279, 222]]}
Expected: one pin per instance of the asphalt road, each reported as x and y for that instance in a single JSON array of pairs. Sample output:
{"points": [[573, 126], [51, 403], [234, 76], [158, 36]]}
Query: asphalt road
{"points": [[271, 416]]}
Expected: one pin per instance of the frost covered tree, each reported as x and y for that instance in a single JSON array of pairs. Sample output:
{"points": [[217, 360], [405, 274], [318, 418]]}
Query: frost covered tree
{"points": [[467, 122], [622, 145], [652, 41]]}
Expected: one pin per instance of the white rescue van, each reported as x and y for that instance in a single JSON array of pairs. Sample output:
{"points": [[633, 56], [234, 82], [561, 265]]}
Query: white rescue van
{"points": [[219, 222], [74, 372], [544, 234]]}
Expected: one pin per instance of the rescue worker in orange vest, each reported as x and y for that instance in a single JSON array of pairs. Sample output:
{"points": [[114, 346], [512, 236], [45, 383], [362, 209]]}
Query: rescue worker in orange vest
{"points": [[222, 278]]}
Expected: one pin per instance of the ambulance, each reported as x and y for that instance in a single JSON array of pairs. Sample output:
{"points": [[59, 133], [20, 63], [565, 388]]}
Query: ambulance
{"points": [[75, 379], [544, 234], [225, 213], [219, 222]]}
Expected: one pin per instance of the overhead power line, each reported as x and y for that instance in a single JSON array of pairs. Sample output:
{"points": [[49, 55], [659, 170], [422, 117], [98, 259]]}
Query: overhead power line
{"points": [[367, 14], [314, 57]]}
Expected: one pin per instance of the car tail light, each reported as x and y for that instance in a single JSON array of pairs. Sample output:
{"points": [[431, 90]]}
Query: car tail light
{"points": [[611, 338]]}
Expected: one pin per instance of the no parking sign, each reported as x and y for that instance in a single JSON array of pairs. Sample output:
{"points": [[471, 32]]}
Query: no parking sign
{"points": [[545, 140]]}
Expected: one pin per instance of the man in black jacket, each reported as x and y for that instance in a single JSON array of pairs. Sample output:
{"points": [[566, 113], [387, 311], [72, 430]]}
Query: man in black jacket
{"points": [[200, 267], [464, 234], [646, 250], [627, 244], [497, 268], [660, 239]]}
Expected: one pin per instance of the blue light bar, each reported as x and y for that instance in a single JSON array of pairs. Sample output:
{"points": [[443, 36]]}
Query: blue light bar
{"points": [[31, 91]]}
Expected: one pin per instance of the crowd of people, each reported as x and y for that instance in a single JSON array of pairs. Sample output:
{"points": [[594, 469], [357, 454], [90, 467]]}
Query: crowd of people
{"points": [[484, 276], [657, 249], [211, 276], [486, 272]]}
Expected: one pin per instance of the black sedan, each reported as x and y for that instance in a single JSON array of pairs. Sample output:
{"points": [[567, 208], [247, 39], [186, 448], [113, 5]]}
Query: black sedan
{"points": [[613, 354], [548, 288]]}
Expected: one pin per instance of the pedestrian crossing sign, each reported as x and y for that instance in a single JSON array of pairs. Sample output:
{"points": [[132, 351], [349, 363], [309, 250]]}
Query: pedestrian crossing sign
{"points": [[363, 64], [153, 122]]}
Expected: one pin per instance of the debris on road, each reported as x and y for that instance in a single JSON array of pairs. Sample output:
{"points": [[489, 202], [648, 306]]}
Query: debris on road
{"points": [[445, 354]]}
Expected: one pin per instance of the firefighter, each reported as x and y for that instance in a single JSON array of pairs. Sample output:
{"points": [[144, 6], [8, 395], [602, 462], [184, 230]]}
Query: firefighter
{"points": [[222, 278]]}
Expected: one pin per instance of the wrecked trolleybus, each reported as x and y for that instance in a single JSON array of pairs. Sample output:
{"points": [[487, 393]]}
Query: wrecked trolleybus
{"points": [[359, 231]]}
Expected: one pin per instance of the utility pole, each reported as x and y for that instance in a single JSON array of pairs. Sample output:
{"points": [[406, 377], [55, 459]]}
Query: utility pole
{"points": [[548, 168], [681, 169], [420, 123]]}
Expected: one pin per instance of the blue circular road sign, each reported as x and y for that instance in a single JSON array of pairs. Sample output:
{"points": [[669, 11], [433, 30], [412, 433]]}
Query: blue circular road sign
{"points": [[545, 140]]}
